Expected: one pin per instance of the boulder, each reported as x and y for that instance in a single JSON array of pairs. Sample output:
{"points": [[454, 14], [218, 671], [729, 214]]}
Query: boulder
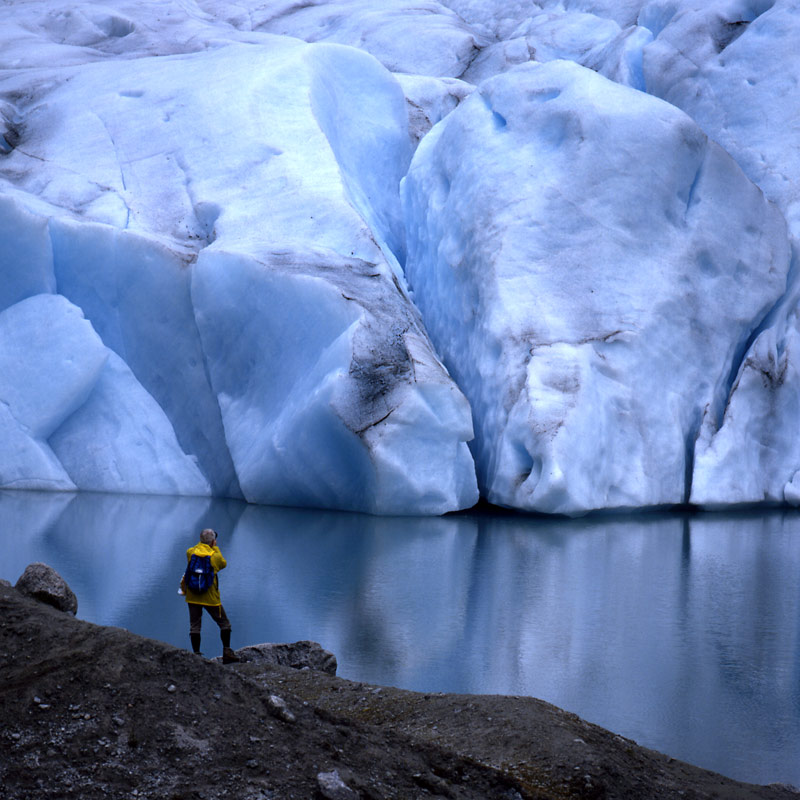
{"points": [[300, 655], [43, 583]]}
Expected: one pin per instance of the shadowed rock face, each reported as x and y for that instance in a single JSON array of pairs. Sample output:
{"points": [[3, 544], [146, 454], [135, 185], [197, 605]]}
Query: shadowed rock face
{"points": [[44, 584]]}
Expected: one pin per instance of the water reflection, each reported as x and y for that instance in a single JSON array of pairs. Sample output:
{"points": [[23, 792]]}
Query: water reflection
{"points": [[683, 634]]}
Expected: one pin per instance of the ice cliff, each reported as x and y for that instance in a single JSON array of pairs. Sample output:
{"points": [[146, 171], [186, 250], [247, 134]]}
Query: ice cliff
{"points": [[381, 257], [574, 263]]}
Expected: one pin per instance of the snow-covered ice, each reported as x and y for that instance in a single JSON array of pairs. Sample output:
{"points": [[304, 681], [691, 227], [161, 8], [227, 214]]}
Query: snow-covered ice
{"points": [[210, 284], [733, 66], [420, 37], [599, 44]]}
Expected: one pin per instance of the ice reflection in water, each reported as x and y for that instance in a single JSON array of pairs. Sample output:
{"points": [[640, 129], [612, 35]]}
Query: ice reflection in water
{"points": [[681, 633]]}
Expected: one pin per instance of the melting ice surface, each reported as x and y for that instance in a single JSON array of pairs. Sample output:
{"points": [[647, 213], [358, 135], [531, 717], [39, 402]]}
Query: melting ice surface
{"points": [[681, 633]]}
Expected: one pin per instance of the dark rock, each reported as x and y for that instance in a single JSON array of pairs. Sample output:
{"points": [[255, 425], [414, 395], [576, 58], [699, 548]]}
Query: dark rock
{"points": [[300, 655], [43, 583]]}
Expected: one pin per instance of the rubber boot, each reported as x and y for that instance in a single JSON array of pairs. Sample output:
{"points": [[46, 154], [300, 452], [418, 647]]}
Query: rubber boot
{"points": [[195, 637], [228, 655]]}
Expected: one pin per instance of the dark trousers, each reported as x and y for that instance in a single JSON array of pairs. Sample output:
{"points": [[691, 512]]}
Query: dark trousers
{"points": [[217, 614]]}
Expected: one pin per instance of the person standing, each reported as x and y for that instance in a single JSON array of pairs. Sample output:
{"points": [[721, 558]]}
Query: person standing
{"points": [[209, 599]]}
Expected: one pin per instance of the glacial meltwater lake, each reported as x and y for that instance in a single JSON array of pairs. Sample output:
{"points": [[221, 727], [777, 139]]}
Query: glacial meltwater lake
{"points": [[681, 632]]}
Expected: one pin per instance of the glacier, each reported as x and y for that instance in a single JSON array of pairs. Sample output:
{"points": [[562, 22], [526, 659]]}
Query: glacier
{"points": [[589, 335], [391, 258]]}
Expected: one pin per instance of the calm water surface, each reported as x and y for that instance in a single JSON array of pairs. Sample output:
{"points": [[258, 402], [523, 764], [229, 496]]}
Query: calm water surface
{"points": [[680, 633]]}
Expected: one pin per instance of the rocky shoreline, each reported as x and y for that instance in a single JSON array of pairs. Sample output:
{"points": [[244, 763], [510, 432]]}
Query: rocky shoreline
{"points": [[98, 712]]}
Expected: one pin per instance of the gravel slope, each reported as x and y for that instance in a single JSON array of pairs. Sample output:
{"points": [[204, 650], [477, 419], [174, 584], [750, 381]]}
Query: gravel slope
{"points": [[98, 712]]}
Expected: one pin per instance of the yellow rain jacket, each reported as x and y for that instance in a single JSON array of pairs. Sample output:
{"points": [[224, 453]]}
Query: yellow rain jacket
{"points": [[218, 562]]}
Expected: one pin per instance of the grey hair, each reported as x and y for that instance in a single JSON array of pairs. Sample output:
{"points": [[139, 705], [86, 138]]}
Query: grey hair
{"points": [[207, 536]]}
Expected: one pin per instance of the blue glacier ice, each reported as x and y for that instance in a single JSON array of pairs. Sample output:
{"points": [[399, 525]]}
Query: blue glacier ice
{"points": [[590, 330], [584, 297], [734, 67]]}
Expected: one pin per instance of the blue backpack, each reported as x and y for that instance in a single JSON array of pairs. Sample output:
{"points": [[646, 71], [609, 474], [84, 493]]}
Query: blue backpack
{"points": [[199, 575]]}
